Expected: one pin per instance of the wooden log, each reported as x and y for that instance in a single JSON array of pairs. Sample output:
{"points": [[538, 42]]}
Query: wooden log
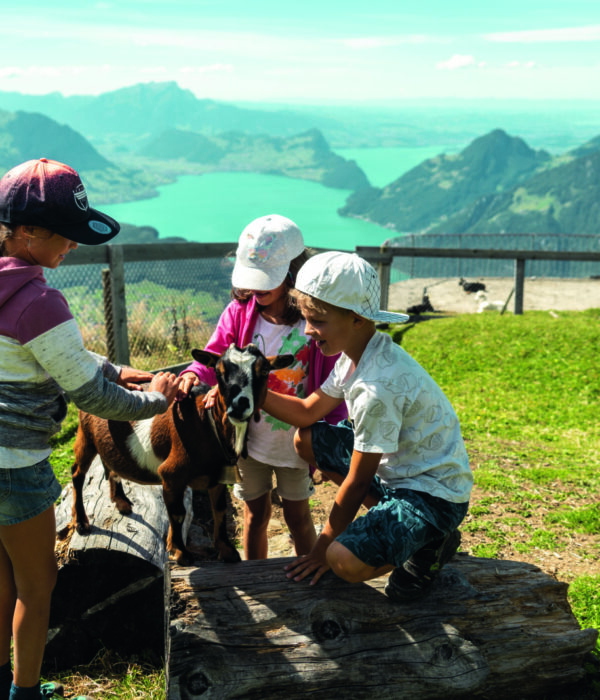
{"points": [[488, 628], [110, 587]]}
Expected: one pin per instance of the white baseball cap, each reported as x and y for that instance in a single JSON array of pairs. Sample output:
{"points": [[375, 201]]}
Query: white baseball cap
{"points": [[265, 250], [347, 281]]}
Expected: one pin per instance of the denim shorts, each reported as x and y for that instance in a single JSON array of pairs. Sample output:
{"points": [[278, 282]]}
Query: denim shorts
{"points": [[293, 483], [402, 522], [26, 492]]}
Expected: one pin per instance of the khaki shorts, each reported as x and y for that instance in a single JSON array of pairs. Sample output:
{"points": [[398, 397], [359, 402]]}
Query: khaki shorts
{"points": [[293, 483]]}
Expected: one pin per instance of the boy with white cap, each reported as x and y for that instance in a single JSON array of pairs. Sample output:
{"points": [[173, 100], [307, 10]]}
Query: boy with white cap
{"points": [[403, 454]]}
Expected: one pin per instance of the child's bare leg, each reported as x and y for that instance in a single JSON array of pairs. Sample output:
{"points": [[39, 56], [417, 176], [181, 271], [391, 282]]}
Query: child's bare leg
{"points": [[8, 598], [303, 445], [299, 521], [30, 547], [349, 567], [257, 514]]}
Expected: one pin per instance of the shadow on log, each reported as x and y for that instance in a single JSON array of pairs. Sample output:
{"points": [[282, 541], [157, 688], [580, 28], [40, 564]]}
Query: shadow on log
{"points": [[487, 629], [110, 586]]}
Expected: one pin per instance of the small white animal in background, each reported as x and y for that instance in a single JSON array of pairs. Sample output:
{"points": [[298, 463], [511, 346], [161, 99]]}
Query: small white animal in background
{"points": [[485, 305]]}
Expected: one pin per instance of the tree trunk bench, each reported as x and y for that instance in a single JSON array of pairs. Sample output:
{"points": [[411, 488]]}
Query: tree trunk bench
{"points": [[488, 629], [110, 587]]}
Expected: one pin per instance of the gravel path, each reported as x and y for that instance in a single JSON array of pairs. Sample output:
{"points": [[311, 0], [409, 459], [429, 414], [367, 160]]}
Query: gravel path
{"points": [[540, 294]]}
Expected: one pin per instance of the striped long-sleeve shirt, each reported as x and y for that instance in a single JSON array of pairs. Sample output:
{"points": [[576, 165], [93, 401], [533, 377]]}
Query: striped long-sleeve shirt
{"points": [[42, 359]]}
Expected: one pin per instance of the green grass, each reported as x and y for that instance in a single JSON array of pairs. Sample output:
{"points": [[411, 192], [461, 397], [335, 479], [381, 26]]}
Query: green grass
{"points": [[527, 392]]}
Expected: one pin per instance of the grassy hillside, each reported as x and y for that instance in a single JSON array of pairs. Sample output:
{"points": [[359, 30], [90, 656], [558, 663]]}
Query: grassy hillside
{"points": [[527, 392]]}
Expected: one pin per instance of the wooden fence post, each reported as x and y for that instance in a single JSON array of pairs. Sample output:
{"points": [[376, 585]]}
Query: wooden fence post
{"points": [[108, 315], [519, 284], [119, 307], [384, 270]]}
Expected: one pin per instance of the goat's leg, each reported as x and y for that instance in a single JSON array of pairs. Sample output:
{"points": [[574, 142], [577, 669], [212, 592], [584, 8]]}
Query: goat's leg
{"points": [[218, 500], [84, 451], [174, 502], [117, 494]]}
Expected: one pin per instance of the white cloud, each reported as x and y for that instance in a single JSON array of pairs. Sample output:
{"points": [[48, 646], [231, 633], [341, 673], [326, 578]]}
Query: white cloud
{"points": [[591, 33], [456, 61]]}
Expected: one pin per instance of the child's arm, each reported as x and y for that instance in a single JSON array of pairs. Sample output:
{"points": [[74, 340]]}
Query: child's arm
{"points": [[227, 331], [350, 496], [300, 412]]}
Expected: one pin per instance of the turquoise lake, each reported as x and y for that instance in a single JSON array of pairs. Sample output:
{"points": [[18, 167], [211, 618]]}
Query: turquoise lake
{"points": [[214, 208]]}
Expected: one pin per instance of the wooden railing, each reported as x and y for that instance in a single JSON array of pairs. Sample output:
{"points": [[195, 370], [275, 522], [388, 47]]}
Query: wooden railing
{"points": [[383, 257], [116, 256]]}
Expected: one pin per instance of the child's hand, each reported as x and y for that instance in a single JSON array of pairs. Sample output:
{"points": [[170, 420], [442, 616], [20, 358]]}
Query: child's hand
{"points": [[167, 383], [188, 380], [312, 563], [131, 378], [209, 398]]}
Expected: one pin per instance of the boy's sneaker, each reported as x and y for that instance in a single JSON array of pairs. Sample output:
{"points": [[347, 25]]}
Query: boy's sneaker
{"points": [[412, 580]]}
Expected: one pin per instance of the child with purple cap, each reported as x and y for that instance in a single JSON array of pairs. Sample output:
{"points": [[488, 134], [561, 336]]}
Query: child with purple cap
{"points": [[401, 453], [44, 214], [270, 252]]}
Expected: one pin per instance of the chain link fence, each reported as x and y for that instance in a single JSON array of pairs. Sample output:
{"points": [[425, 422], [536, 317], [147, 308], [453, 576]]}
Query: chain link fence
{"points": [[172, 305]]}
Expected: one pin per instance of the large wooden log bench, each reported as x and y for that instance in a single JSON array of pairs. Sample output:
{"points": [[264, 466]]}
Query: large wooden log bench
{"points": [[489, 628]]}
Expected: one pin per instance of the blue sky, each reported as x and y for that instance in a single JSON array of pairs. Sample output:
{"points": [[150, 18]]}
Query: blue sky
{"points": [[309, 51]]}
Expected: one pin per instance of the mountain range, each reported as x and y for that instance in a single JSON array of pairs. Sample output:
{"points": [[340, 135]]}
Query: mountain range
{"points": [[497, 184], [160, 159], [129, 141], [122, 118]]}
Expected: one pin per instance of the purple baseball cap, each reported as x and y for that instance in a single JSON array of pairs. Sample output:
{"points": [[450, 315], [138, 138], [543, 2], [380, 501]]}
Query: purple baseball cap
{"points": [[50, 194]]}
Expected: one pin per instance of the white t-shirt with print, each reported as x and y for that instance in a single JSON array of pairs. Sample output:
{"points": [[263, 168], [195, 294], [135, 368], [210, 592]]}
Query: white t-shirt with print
{"points": [[398, 410], [271, 441]]}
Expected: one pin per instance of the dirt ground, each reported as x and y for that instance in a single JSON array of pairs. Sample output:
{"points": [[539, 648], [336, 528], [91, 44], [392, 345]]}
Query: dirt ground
{"points": [[539, 294]]}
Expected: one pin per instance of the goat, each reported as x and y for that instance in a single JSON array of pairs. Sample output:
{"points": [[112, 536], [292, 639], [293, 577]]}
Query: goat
{"points": [[485, 305], [188, 445], [421, 308], [471, 287]]}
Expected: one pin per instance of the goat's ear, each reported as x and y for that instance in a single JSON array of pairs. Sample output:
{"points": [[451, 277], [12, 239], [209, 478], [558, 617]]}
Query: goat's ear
{"points": [[280, 361], [209, 359]]}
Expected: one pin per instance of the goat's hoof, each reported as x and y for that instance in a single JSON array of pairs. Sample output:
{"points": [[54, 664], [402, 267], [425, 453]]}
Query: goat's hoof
{"points": [[124, 508], [230, 556], [182, 558], [83, 528]]}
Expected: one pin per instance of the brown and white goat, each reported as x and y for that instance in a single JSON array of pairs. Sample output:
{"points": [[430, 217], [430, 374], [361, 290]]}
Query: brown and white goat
{"points": [[188, 445]]}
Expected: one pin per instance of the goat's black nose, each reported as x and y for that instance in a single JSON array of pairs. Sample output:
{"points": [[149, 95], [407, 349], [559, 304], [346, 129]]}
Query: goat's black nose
{"points": [[240, 404]]}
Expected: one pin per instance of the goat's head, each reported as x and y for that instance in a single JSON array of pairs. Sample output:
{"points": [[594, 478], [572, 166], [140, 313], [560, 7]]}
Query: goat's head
{"points": [[242, 376]]}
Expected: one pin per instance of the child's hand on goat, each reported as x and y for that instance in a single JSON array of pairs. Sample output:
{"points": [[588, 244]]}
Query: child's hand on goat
{"points": [[209, 399], [188, 380], [167, 383], [131, 378]]}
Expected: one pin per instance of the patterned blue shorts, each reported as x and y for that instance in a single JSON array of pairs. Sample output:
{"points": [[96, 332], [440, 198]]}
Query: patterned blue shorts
{"points": [[27, 492], [401, 523]]}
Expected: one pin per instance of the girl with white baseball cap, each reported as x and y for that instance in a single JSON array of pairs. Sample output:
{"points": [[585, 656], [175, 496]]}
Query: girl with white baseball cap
{"points": [[270, 252]]}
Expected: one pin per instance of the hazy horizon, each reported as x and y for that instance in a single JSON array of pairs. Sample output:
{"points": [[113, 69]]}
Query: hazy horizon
{"points": [[268, 51]]}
